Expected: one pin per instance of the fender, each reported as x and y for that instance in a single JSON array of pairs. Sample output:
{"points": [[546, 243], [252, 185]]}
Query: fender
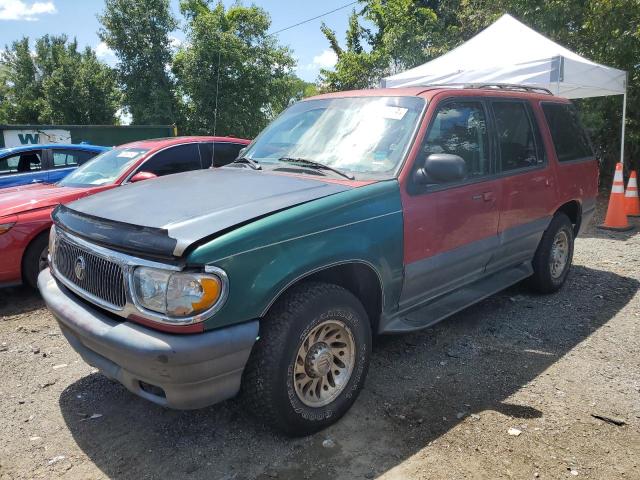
{"points": [[327, 267], [363, 225]]}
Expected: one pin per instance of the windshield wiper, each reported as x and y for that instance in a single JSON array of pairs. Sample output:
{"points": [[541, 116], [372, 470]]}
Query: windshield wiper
{"points": [[249, 161], [313, 164]]}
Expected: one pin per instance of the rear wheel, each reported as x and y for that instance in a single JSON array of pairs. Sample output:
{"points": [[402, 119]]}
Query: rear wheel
{"points": [[311, 360], [35, 259], [553, 257]]}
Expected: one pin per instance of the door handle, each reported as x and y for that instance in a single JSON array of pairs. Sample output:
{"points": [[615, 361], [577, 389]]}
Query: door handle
{"points": [[486, 196]]}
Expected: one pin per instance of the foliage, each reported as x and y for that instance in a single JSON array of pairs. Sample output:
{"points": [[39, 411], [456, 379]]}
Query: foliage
{"points": [[25, 95], [56, 84], [4, 92], [138, 31], [387, 36], [231, 64]]}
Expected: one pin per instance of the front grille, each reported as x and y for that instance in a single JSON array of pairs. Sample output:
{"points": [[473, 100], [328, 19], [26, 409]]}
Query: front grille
{"points": [[101, 278]]}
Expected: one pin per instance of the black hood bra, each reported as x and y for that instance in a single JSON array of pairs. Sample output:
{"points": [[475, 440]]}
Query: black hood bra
{"points": [[164, 216]]}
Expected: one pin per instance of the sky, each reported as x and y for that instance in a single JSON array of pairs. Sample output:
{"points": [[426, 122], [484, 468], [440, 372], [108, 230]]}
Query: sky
{"points": [[77, 18]]}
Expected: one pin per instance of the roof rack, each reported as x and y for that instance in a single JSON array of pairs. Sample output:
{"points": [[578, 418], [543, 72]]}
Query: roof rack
{"points": [[510, 86]]}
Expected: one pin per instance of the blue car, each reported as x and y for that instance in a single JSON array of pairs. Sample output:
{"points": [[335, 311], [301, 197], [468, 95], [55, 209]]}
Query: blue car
{"points": [[43, 163]]}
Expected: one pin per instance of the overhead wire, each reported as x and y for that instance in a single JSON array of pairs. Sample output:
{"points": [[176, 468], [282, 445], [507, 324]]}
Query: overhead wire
{"points": [[312, 18]]}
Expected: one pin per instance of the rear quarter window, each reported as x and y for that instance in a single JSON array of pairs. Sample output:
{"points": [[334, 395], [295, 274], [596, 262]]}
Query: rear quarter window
{"points": [[569, 137]]}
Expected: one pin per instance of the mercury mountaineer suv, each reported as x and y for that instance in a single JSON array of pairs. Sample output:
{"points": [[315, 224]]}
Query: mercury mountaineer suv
{"points": [[352, 214]]}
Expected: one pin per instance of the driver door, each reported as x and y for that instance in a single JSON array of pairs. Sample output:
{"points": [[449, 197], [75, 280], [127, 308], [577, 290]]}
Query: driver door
{"points": [[451, 229]]}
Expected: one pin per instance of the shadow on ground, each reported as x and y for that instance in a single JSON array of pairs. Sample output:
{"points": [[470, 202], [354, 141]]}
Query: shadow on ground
{"points": [[19, 300], [419, 387]]}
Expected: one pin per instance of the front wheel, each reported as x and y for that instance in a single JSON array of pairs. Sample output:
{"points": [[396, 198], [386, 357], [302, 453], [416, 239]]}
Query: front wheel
{"points": [[553, 257], [311, 360]]}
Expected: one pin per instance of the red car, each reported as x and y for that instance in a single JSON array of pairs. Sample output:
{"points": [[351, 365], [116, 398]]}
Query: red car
{"points": [[25, 212]]}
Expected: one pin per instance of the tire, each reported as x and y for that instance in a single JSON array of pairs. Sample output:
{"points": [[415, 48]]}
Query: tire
{"points": [[318, 311], [31, 262], [546, 277]]}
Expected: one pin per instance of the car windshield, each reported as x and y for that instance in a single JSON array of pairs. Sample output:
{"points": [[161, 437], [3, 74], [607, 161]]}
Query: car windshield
{"points": [[103, 169], [364, 136]]}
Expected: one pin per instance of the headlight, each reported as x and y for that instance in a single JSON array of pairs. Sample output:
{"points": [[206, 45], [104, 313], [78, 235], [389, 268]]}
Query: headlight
{"points": [[52, 242], [177, 294], [5, 227]]}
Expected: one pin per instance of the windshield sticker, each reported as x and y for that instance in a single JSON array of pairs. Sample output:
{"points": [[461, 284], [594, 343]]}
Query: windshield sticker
{"points": [[126, 154], [393, 113]]}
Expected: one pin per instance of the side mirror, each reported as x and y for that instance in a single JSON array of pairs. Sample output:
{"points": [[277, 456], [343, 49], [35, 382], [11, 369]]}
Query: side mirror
{"points": [[442, 168], [140, 176], [241, 152]]}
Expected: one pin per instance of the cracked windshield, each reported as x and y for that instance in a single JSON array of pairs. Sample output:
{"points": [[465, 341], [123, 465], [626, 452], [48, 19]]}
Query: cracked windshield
{"points": [[366, 135]]}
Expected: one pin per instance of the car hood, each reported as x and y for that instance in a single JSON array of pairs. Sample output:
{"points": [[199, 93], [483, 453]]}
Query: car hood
{"points": [[165, 216], [22, 199]]}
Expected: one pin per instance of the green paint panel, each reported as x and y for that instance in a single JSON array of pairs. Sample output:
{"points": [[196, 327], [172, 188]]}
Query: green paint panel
{"points": [[263, 257]]}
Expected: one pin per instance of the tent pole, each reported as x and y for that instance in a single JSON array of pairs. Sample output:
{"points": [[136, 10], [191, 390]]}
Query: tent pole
{"points": [[624, 119]]}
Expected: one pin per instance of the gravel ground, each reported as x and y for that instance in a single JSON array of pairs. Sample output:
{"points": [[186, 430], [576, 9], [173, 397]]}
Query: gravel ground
{"points": [[508, 388]]}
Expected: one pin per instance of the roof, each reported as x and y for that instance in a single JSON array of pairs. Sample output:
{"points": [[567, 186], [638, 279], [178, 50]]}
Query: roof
{"points": [[55, 146], [156, 143], [429, 91]]}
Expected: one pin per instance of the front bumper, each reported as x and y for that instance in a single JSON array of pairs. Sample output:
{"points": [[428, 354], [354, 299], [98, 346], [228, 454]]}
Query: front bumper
{"points": [[193, 370]]}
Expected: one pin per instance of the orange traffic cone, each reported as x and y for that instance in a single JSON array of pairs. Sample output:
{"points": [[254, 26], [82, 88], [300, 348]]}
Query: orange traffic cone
{"points": [[631, 200], [616, 218]]}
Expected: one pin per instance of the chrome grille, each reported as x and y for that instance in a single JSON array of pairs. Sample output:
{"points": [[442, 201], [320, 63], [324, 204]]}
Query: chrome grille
{"points": [[101, 278]]}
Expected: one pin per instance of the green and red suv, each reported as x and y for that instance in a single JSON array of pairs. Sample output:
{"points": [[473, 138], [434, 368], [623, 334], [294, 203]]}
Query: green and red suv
{"points": [[352, 214]]}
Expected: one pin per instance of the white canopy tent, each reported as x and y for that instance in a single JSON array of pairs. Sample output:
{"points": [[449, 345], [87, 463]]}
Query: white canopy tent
{"points": [[509, 52]]}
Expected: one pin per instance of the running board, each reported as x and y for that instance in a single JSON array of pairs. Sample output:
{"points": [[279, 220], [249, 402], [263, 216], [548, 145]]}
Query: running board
{"points": [[446, 305]]}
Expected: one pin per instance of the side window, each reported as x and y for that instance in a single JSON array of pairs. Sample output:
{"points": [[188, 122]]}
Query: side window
{"points": [[225, 153], [24, 162], [181, 158], [516, 136], [460, 128], [569, 138], [70, 158]]}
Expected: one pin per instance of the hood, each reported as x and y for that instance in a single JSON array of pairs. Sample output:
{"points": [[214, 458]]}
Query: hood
{"points": [[22, 199], [164, 216]]}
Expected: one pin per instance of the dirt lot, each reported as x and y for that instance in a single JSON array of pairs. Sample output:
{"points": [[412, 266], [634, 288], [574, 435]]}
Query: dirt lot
{"points": [[437, 404]]}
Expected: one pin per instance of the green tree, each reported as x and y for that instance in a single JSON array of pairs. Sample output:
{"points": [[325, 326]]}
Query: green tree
{"points": [[385, 37], [76, 88], [56, 84], [138, 31], [4, 94], [232, 76], [24, 95]]}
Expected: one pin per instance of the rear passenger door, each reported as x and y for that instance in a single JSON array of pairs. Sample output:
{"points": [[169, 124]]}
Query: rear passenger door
{"points": [[61, 162], [528, 191]]}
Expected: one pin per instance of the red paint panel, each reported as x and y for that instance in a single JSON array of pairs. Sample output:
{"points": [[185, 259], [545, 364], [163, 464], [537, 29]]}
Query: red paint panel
{"points": [[437, 222], [573, 180], [527, 197], [440, 221]]}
